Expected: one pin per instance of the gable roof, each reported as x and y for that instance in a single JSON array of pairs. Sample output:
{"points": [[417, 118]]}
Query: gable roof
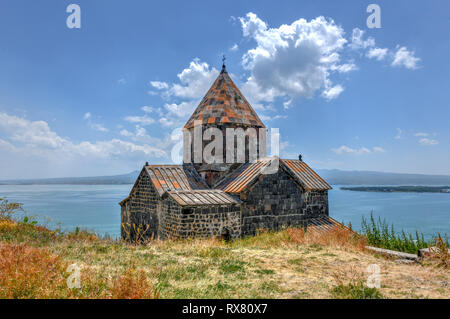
{"points": [[247, 173], [202, 197], [309, 179], [174, 177], [224, 104], [240, 178]]}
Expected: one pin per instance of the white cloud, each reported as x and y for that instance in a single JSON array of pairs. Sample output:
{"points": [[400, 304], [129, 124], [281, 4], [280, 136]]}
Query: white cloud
{"points": [[399, 133], [147, 109], [271, 118], [194, 80], [344, 68], [428, 142], [405, 58], [143, 120], [423, 134], [358, 42], [126, 133], [235, 47], [94, 126], [159, 85], [377, 53], [378, 149], [401, 57], [344, 149], [333, 92], [98, 127], [180, 110], [37, 139], [166, 122], [122, 81], [287, 104], [183, 97], [293, 60]]}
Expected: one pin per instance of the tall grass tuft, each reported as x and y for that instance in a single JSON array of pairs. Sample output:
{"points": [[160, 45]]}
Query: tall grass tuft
{"points": [[380, 234]]}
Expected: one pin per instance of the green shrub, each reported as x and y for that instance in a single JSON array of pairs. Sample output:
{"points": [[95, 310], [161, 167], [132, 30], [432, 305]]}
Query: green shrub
{"points": [[355, 291], [380, 234]]}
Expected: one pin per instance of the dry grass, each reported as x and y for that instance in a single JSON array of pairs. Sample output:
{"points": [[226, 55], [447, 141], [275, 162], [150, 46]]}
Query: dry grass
{"points": [[441, 252], [133, 285], [290, 263], [28, 272], [337, 236], [31, 272]]}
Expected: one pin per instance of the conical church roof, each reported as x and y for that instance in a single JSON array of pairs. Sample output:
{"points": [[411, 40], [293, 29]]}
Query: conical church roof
{"points": [[224, 104]]}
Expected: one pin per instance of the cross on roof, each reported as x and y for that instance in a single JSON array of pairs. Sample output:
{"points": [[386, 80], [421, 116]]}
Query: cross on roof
{"points": [[223, 63]]}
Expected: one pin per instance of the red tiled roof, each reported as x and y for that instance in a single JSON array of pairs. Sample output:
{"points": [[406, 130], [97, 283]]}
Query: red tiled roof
{"points": [[175, 178], [202, 197], [224, 104], [247, 173]]}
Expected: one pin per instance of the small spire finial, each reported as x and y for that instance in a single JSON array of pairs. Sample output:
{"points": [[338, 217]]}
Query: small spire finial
{"points": [[223, 63]]}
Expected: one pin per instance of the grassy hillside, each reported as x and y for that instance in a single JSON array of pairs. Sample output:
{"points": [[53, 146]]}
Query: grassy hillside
{"points": [[287, 264]]}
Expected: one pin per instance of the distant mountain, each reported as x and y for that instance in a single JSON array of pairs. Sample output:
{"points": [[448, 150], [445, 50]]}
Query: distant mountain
{"points": [[332, 176], [338, 177], [129, 178]]}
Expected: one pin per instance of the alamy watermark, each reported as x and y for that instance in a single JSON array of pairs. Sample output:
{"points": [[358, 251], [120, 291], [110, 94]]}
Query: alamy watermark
{"points": [[74, 280], [373, 20], [374, 278], [73, 21], [212, 145]]}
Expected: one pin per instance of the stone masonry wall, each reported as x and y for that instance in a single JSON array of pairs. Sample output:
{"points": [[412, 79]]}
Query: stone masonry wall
{"points": [[276, 201], [139, 216], [200, 221]]}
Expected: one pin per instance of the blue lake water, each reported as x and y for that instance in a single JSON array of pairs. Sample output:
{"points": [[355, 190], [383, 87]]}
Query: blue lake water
{"points": [[95, 207]]}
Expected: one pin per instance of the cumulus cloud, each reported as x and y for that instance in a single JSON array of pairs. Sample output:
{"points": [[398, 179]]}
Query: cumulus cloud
{"points": [[37, 139], [344, 149], [194, 80], [401, 57], [377, 53], [147, 109], [182, 97], [293, 60], [333, 92], [405, 58], [159, 85], [358, 42]]}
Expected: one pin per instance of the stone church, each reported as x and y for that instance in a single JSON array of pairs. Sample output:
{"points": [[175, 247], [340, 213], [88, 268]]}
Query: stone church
{"points": [[222, 199]]}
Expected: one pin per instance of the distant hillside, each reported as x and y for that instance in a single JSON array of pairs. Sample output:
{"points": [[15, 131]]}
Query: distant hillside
{"points": [[335, 176], [332, 176], [129, 178]]}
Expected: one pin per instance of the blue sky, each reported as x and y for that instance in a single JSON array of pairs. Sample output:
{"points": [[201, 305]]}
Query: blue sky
{"points": [[105, 98]]}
